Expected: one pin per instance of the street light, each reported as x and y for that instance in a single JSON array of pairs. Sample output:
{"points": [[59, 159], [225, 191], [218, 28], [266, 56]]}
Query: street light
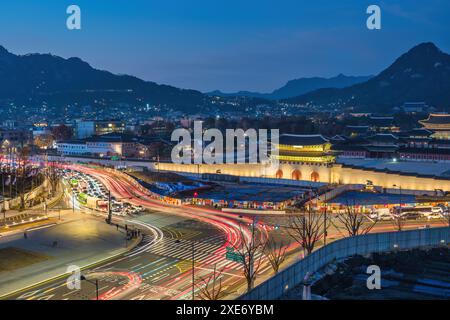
{"points": [[193, 266], [95, 283], [73, 201], [400, 199]]}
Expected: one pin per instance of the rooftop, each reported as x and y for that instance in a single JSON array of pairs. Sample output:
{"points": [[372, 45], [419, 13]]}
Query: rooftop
{"points": [[371, 198], [114, 137], [383, 137], [417, 132], [416, 168], [302, 140], [251, 192], [437, 118]]}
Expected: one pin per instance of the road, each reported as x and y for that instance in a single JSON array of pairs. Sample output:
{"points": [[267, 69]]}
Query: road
{"points": [[161, 266]]}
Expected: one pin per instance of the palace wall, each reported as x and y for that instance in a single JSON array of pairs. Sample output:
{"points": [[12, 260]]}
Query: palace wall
{"points": [[335, 173]]}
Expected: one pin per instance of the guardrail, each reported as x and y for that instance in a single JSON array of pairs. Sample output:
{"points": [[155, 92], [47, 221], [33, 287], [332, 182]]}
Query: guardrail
{"points": [[293, 275]]}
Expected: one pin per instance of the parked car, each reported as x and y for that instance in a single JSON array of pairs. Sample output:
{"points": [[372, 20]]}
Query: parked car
{"points": [[411, 215], [434, 215], [385, 216], [373, 215], [437, 209]]}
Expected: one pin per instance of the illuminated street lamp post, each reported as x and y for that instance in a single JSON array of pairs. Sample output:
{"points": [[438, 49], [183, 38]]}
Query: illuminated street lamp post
{"points": [[400, 199], [95, 283]]}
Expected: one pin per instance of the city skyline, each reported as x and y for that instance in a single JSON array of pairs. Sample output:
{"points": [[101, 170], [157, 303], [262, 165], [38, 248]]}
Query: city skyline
{"points": [[230, 47]]}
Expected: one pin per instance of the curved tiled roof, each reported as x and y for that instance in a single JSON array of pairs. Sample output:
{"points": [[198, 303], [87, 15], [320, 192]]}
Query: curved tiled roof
{"points": [[434, 118], [302, 139]]}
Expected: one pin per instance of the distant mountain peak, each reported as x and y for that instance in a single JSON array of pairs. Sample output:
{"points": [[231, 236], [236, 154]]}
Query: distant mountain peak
{"points": [[34, 78], [297, 87], [425, 47], [3, 50], [420, 74]]}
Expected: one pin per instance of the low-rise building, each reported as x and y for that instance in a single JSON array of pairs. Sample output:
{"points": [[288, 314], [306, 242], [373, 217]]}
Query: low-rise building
{"points": [[109, 145]]}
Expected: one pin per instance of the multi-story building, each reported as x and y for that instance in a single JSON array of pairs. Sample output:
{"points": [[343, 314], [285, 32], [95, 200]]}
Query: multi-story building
{"points": [[88, 128]]}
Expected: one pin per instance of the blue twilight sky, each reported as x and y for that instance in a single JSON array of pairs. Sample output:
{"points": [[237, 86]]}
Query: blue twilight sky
{"points": [[226, 44]]}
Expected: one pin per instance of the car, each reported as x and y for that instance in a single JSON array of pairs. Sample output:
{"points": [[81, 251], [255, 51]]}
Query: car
{"points": [[385, 217], [373, 215], [411, 215], [437, 209], [434, 215]]}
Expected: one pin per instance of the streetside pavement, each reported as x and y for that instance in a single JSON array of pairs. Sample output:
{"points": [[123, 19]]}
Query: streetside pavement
{"points": [[82, 242]]}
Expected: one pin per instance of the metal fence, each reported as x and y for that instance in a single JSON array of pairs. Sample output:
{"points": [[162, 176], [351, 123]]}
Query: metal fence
{"points": [[293, 275]]}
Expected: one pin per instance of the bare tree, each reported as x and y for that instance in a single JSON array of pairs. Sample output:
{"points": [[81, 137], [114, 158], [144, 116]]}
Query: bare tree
{"points": [[210, 287], [307, 229], [398, 221], [23, 171], [354, 222], [52, 175], [250, 251], [447, 217], [275, 252]]}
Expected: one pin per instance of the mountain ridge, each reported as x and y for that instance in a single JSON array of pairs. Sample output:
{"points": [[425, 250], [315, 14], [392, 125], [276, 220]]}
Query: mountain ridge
{"points": [[297, 87], [45, 77], [420, 74]]}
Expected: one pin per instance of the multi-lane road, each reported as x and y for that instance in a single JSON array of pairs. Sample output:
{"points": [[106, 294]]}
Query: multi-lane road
{"points": [[160, 267]]}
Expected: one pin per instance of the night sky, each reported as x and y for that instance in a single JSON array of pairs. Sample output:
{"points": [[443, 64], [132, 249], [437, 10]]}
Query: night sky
{"points": [[226, 44]]}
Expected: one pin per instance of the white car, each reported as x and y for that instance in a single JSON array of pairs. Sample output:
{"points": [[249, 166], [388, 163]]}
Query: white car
{"points": [[434, 215], [385, 216], [373, 215], [437, 210]]}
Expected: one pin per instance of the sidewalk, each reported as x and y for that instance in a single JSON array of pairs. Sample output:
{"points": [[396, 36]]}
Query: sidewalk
{"points": [[80, 242]]}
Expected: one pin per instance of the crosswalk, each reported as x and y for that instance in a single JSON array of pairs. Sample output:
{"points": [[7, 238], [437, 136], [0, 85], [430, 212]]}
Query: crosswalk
{"points": [[173, 252], [205, 253]]}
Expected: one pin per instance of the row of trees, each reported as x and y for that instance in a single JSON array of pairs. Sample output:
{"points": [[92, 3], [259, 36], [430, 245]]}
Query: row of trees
{"points": [[307, 229]]}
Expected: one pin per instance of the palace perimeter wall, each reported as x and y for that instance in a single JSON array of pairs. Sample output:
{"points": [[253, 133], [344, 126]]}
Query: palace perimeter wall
{"points": [[325, 173]]}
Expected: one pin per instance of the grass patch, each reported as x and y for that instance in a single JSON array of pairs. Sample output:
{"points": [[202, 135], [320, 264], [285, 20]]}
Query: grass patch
{"points": [[14, 258]]}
